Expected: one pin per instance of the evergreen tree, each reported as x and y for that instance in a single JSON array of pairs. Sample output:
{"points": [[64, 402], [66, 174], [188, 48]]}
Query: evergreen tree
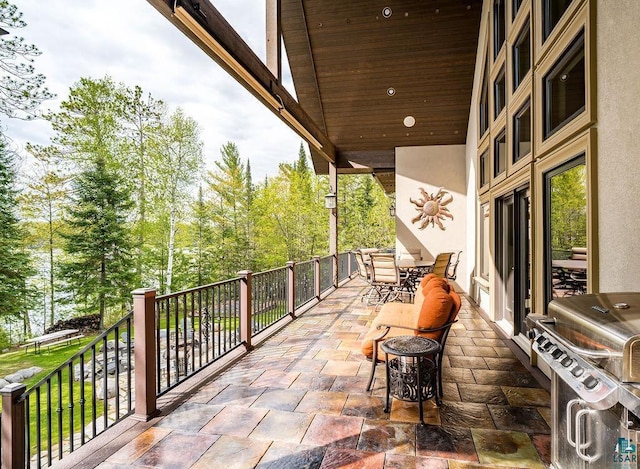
{"points": [[99, 270], [98, 267], [230, 210], [22, 90], [15, 267]]}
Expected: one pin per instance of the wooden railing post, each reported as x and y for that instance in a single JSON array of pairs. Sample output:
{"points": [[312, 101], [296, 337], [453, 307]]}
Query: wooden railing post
{"points": [[316, 262], [291, 288], [144, 322], [245, 308], [13, 426]]}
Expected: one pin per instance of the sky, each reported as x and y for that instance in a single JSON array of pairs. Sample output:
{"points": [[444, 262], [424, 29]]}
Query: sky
{"points": [[134, 44]]}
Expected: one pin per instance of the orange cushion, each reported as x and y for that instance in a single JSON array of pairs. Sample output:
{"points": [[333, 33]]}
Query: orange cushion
{"points": [[426, 279], [397, 314], [435, 311], [436, 282]]}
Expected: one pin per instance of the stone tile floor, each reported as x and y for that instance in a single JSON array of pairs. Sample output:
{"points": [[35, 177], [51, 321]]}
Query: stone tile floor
{"points": [[298, 400]]}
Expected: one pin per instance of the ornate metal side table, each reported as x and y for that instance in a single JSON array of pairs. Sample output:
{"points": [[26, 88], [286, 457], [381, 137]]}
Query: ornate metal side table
{"points": [[412, 374]]}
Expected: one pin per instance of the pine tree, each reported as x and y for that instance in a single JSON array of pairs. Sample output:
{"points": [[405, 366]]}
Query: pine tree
{"points": [[100, 268], [15, 266], [22, 90]]}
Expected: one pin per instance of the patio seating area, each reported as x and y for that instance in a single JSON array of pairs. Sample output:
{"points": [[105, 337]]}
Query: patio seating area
{"points": [[299, 399]]}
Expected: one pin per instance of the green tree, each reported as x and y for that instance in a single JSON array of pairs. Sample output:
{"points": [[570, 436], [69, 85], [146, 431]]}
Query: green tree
{"points": [[142, 121], [177, 163], [15, 266], [98, 267], [230, 211], [42, 202], [291, 221], [22, 90], [569, 209]]}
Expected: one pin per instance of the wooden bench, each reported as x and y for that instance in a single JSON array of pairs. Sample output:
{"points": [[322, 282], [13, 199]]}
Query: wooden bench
{"points": [[66, 341]]}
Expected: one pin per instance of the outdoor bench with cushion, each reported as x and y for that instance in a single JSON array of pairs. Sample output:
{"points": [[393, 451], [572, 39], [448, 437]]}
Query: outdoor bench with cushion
{"points": [[433, 312]]}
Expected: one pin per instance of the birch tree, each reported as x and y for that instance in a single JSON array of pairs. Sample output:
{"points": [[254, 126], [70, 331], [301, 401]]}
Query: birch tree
{"points": [[177, 164]]}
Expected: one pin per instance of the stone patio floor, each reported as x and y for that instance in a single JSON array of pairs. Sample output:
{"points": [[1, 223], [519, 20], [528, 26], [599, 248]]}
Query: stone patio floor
{"points": [[298, 400]]}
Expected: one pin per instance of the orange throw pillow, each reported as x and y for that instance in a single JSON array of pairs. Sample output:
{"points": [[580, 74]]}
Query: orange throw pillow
{"points": [[435, 311]]}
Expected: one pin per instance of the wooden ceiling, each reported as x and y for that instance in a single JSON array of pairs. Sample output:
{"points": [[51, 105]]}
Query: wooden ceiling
{"points": [[346, 56]]}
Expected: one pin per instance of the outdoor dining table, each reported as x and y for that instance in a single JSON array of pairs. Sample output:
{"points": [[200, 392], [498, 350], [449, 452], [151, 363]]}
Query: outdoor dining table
{"points": [[37, 342], [414, 264], [569, 264]]}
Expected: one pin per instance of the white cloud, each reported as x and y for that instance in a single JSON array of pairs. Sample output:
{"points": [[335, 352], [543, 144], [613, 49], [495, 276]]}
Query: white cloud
{"points": [[136, 45]]}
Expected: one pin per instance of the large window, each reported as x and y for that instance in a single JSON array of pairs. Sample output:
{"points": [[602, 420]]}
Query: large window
{"points": [[552, 11], [564, 93], [516, 7], [499, 26], [485, 252], [522, 132], [499, 93], [484, 101], [521, 56], [500, 154], [485, 171], [565, 217]]}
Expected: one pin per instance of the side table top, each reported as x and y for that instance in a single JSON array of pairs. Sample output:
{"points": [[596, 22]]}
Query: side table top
{"points": [[410, 346]]}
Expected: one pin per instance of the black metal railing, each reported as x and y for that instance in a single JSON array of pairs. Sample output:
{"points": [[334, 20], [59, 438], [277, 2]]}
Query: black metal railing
{"points": [[194, 328], [326, 273], [83, 397], [305, 283], [94, 389], [269, 299]]}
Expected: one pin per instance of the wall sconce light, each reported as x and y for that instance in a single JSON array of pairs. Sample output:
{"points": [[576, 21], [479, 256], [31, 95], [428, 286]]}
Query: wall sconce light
{"points": [[392, 210], [330, 200]]}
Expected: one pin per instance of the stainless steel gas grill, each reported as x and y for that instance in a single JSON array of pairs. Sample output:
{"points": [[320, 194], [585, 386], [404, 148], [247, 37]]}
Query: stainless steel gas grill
{"points": [[591, 343]]}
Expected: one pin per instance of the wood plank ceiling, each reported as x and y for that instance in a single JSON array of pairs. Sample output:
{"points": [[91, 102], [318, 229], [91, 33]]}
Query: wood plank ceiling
{"points": [[360, 67]]}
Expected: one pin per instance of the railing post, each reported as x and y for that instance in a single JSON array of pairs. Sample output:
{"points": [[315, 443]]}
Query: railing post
{"points": [[13, 426], [245, 308], [316, 262], [144, 326], [291, 288]]}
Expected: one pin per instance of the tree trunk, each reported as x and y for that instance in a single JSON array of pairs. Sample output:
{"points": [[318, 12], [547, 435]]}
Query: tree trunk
{"points": [[172, 235]]}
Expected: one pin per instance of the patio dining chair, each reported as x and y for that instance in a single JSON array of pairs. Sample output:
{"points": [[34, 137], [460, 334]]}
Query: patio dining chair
{"points": [[387, 279], [441, 264], [364, 270], [452, 271]]}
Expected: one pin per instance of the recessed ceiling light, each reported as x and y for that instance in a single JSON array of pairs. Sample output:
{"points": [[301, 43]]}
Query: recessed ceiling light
{"points": [[387, 12], [391, 91], [437, 10], [409, 121]]}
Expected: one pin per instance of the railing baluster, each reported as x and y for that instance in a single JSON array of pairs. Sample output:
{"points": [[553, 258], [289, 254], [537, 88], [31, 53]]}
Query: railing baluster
{"points": [[70, 405]]}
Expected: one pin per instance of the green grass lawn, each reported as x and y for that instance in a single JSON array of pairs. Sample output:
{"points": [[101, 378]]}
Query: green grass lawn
{"points": [[47, 359]]}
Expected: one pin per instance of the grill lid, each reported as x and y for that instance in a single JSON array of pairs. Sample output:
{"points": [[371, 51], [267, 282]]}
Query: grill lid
{"points": [[605, 327]]}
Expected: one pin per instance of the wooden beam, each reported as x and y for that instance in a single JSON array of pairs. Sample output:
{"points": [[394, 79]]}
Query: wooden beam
{"points": [[274, 39], [207, 28]]}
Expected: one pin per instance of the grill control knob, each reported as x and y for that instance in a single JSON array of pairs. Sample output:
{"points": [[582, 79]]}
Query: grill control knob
{"points": [[590, 382], [566, 362], [541, 339], [548, 346], [577, 371], [557, 353]]}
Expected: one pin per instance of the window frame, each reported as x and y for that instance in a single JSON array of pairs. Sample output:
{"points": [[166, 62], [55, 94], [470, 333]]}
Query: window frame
{"points": [[581, 22], [584, 143], [524, 30], [569, 55]]}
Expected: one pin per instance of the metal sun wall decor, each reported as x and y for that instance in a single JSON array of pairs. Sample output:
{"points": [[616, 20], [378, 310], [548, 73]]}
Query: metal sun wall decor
{"points": [[432, 208]]}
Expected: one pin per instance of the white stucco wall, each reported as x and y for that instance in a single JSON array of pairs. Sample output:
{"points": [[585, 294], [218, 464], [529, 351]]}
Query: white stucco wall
{"points": [[618, 135], [431, 168]]}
